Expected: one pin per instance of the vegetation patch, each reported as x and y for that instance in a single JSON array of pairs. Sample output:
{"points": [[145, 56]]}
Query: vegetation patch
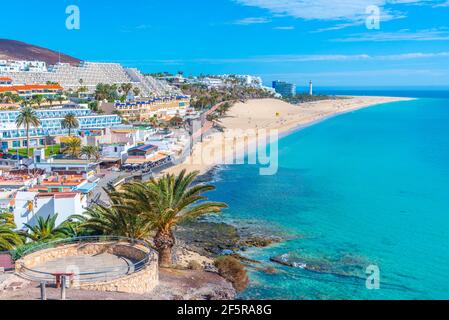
{"points": [[232, 270]]}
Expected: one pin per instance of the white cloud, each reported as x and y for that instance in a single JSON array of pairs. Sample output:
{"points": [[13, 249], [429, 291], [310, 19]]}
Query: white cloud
{"points": [[342, 10], [301, 58], [444, 4], [401, 35], [415, 55], [284, 28], [252, 20], [359, 73]]}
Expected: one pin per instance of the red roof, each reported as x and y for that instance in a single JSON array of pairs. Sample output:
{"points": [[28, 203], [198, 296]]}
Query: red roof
{"points": [[30, 87], [58, 194], [5, 79]]}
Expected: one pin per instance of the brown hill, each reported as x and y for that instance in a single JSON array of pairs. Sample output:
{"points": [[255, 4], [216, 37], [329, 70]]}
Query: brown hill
{"points": [[16, 50]]}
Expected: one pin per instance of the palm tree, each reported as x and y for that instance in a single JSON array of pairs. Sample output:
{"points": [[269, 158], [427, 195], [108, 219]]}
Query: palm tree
{"points": [[224, 108], [15, 98], [73, 147], [154, 122], [71, 228], [213, 117], [167, 202], [7, 97], [45, 229], [38, 100], [106, 92], [9, 239], [27, 117], [60, 98], [176, 121], [118, 220], [136, 91], [126, 88], [82, 89], [91, 152], [101, 92], [70, 122], [50, 100]]}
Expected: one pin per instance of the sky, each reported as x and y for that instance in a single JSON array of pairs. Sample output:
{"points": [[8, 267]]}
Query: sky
{"points": [[333, 43]]}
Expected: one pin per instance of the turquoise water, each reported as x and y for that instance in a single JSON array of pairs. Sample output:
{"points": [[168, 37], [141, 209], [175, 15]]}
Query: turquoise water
{"points": [[369, 187]]}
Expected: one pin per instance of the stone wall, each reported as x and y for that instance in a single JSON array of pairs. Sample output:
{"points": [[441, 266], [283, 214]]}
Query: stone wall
{"points": [[143, 281], [140, 282]]}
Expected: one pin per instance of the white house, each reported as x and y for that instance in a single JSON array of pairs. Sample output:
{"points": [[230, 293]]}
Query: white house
{"points": [[87, 168], [31, 205]]}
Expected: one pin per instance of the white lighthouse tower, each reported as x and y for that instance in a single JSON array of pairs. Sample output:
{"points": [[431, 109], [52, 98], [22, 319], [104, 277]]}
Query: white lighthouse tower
{"points": [[311, 88]]}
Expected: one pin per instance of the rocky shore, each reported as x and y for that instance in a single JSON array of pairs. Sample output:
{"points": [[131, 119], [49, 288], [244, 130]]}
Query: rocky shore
{"points": [[174, 284], [212, 239]]}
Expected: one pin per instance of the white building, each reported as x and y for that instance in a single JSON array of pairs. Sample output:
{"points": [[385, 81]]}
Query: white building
{"points": [[31, 205], [115, 152], [212, 82], [22, 66], [87, 74]]}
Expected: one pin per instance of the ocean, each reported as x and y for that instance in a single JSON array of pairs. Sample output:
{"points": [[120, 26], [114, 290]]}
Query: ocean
{"points": [[362, 191]]}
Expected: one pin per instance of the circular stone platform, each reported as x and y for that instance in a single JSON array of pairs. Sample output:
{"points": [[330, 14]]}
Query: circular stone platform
{"points": [[97, 263], [98, 267]]}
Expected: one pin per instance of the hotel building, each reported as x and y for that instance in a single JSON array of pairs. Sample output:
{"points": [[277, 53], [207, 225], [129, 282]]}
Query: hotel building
{"points": [[285, 89], [86, 74], [13, 137], [144, 109], [28, 91]]}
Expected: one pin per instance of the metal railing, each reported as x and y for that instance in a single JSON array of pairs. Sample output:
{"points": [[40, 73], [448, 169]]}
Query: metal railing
{"points": [[102, 274]]}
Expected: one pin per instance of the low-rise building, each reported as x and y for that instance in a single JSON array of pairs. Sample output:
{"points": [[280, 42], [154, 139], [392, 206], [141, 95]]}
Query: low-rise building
{"points": [[144, 109], [144, 151], [22, 65], [28, 206], [26, 91], [30, 194], [5, 81]]}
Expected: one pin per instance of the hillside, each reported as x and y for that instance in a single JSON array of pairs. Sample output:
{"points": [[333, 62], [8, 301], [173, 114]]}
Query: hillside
{"points": [[16, 50]]}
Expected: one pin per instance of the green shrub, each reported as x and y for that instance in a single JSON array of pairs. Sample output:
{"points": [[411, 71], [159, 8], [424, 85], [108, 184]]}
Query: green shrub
{"points": [[194, 265]]}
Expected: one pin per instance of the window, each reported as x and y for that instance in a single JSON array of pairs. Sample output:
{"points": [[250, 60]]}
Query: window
{"points": [[16, 144]]}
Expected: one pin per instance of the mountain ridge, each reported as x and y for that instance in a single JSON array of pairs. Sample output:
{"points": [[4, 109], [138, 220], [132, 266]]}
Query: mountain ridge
{"points": [[17, 50]]}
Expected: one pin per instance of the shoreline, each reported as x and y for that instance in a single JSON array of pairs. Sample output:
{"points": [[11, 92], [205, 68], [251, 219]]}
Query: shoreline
{"points": [[330, 116], [269, 115], [229, 237]]}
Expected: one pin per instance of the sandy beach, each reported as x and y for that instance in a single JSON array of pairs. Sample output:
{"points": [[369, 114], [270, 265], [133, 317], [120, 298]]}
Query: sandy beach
{"points": [[271, 115]]}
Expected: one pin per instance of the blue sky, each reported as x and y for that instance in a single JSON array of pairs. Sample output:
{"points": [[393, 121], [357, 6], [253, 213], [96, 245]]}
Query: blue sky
{"points": [[295, 40]]}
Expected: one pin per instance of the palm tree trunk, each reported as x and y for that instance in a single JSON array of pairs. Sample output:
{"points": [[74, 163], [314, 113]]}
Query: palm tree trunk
{"points": [[164, 242], [70, 131], [28, 140]]}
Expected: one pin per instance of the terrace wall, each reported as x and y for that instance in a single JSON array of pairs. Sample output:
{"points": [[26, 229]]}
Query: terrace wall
{"points": [[141, 282]]}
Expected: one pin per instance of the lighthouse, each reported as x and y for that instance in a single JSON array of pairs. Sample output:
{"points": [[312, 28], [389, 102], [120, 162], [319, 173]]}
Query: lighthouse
{"points": [[311, 88]]}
